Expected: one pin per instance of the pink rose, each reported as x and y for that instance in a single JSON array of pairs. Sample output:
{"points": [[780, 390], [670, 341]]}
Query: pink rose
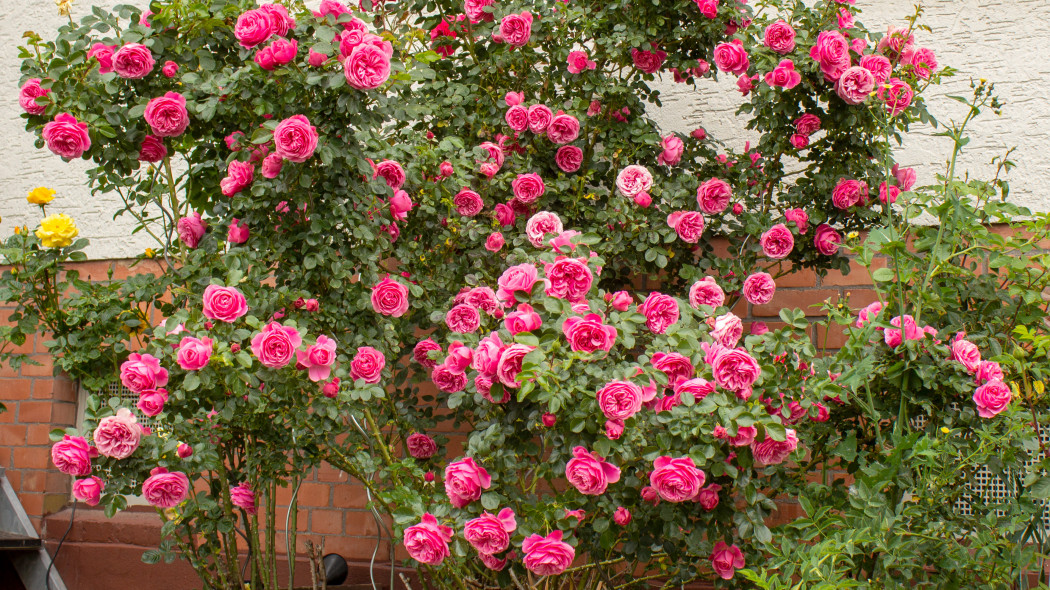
{"points": [[726, 559], [708, 8], [67, 137], [784, 75], [780, 37], [279, 19], [855, 85], [992, 398], [735, 370], [588, 333], [879, 67], [897, 95], [988, 371], [713, 196], [569, 279], [528, 188], [474, 9], [141, 372], [448, 380], [846, 21], [422, 350], [698, 388], [799, 218], [708, 497], [807, 124], [184, 450], [687, 224], [514, 98], [745, 435], [464, 480], [759, 288], [421, 446], [494, 243], [622, 516], [283, 51], [191, 229], [660, 311], [677, 367], [104, 55], [633, 180], [525, 319], [676, 480], [516, 28], [614, 428], [732, 58], [888, 193], [194, 353], [170, 69], [368, 65], [242, 496], [905, 177], [672, 147], [295, 139], [72, 455], [367, 364], [118, 436], [578, 62], [569, 158], [318, 358], [264, 57], [133, 61], [727, 329], [152, 149], [539, 118], [648, 61], [225, 304], [28, 94], [510, 364], [165, 490], [253, 27], [517, 118], [922, 61], [427, 542], [516, 278], [563, 129], [468, 203], [773, 452], [275, 345], [547, 556], [590, 473], [868, 313], [706, 292], [390, 298], [831, 51], [151, 401], [463, 319], [238, 176], [237, 232], [827, 240], [88, 490], [895, 42], [620, 300], [619, 400], [777, 242], [909, 331], [316, 59], [490, 534]]}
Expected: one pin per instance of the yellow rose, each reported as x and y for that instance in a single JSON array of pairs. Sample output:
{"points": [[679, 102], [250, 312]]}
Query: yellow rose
{"points": [[57, 231], [41, 195]]}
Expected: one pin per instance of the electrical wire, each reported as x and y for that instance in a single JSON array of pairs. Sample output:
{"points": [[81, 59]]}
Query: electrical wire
{"points": [[47, 574], [380, 525]]}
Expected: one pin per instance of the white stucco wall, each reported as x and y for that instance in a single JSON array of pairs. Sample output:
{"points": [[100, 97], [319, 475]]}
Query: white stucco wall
{"points": [[1005, 41]]}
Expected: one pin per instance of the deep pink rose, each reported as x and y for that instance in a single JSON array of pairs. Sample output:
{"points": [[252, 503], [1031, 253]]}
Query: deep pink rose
{"points": [[732, 58], [807, 124], [422, 350], [464, 481], [152, 149], [225, 304], [194, 353], [316, 59], [895, 42], [104, 55], [799, 218], [510, 364], [706, 292], [909, 331], [253, 27], [735, 370], [713, 196], [420, 446], [708, 497], [67, 137], [827, 240], [727, 329], [514, 98], [992, 398], [237, 232], [390, 298], [648, 61], [590, 473], [238, 176], [191, 229], [868, 313], [633, 180], [151, 402], [773, 452], [620, 300], [676, 480], [780, 37], [295, 139], [448, 378], [759, 288], [698, 388], [563, 129], [528, 188], [283, 51], [922, 60], [170, 69], [831, 51], [579, 61], [569, 279], [318, 358], [855, 85], [72, 455], [905, 177], [622, 516], [28, 94], [516, 278], [275, 345], [588, 333], [495, 242], [726, 559], [849, 193], [133, 61], [264, 57], [517, 118], [524, 319], [142, 372], [687, 224], [745, 435], [516, 28], [367, 364], [614, 428], [242, 496], [777, 242], [784, 75], [547, 556], [118, 436], [490, 534], [165, 490], [368, 65], [619, 400], [660, 311], [988, 371], [879, 66], [279, 18], [463, 319], [468, 203], [672, 147], [88, 490], [897, 94], [568, 158], [708, 8], [539, 118]]}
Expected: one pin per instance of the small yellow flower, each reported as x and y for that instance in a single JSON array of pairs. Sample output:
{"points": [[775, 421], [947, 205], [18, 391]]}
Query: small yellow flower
{"points": [[945, 429], [18, 230], [41, 195], [57, 231], [852, 235], [150, 253], [64, 6]]}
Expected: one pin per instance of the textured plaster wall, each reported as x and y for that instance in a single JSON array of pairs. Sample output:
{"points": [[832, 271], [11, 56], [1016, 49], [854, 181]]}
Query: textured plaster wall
{"points": [[1005, 41]]}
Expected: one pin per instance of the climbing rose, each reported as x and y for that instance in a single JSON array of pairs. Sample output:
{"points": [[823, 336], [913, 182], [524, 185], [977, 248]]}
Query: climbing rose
{"points": [[732, 58], [588, 333], [295, 139], [427, 542], [773, 452], [547, 556], [490, 534], [528, 188], [706, 292], [88, 490], [142, 372], [194, 353], [784, 75], [275, 345], [687, 224], [854, 85], [660, 311], [510, 364], [390, 298], [619, 400], [569, 158], [368, 65], [569, 279], [992, 398], [67, 137], [780, 37], [713, 196], [464, 480], [28, 94], [191, 229], [735, 370], [133, 61], [777, 242], [165, 490], [367, 364], [225, 304], [590, 473], [633, 180], [827, 240], [515, 29], [72, 455], [676, 480], [468, 203], [253, 27], [726, 559], [421, 446], [563, 129], [118, 436], [541, 224], [759, 288], [318, 358]]}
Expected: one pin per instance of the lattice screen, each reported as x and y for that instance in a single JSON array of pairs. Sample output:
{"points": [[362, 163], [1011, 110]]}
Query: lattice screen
{"points": [[128, 399]]}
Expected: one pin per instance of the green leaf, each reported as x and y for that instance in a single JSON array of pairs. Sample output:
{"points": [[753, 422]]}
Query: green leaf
{"points": [[883, 275]]}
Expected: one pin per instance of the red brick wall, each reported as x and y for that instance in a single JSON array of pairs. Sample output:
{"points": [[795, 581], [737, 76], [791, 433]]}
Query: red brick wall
{"points": [[99, 551]]}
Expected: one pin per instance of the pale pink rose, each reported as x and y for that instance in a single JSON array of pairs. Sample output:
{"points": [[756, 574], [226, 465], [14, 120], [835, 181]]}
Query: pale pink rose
{"points": [[275, 345], [590, 473], [528, 188], [165, 490], [569, 158], [118, 436], [420, 446], [727, 329], [516, 278], [897, 94], [831, 51], [672, 147], [777, 242], [726, 559], [759, 288], [464, 481], [152, 149], [422, 350], [253, 27], [318, 358], [676, 480], [622, 516], [648, 61], [67, 137], [72, 455], [238, 176], [28, 94], [687, 224], [390, 298], [515, 29], [779, 37], [735, 370], [427, 542], [133, 61], [490, 534], [707, 497], [151, 402], [773, 452], [784, 75], [391, 172], [104, 55], [633, 180], [517, 118], [620, 300], [827, 240], [367, 364], [855, 85], [706, 292], [510, 364], [191, 229], [868, 313], [368, 65], [547, 556], [539, 118], [569, 279], [225, 304], [619, 400], [237, 232], [194, 353], [295, 139], [660, 311], [588, 333], [563, 129], [88, 490], [698, 388], [732, 58], [879, 67], [579, 61], [142, 372], [676, 366], [541, 224], [922, 60], [495, 242], [713, 196]]}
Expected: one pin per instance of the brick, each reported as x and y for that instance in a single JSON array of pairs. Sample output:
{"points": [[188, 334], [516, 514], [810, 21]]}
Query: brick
{"points": [[38, 435], [803, 277], [349, 496], [836, 337], [861, 298], [14, 476], [360, 523], [32, 457], [55, 502], [94, 270], [326, 522], [791, 299], [15, 389], [302, 520], [12, 434], [33, 480], [327, 473], [33, 504], [58, 483], [46, 367], [63, 414], [858, 275], [64, 390], [314, 494], [34, 412]]}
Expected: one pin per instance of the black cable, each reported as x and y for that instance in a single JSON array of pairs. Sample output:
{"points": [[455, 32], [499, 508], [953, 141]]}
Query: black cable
{"points": [[47, 575]]}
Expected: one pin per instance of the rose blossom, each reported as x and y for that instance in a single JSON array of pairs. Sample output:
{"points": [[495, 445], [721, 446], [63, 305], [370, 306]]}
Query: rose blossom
{"points": [[165, 490], [238, 176], [687, 224], [368, 65], [759, 288], [421, 446], [318, 358], [464, 480], [283, 51], [67, 137], [706, 292], [151, 401], [648, 61], [427, 542], [421, 350], [141, 372], [191, 229], [992, 398], [676, 366], [237, 232], [620, 300], [528, 188], [494, 242], [619, 400], [590, 473], [726, 559], [133, 61], [633, 180], [807, 124], [727, 329], [104, 55], [672, 147], [827, 240], [784, 75], [390, 298], [510, 364], [831, 51], [922, 60], [28, 94], [295, 139], [275, 345], [676, 480], [72, 455], [490, 534], [463, 319], [780, 37], [88, 490], [732, 58], [517, 118], [194, 353], [879, 67], [660, 311], [367, 364], [569, 279], [539, 118], [698, 388], [708, 497], [515, 29], [118, 436], [855, 85], [547, 556], [253, 27], [579, 61], [520, 277], [897, 94], [777, 242], [541, 224], [568, 158], [868, 313], [910, 331], [735, 370], [588, 333], [448, 379], [713, 196], [152, 149], [888, 193], [563, 129], [225, 304], [773, 452]]}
